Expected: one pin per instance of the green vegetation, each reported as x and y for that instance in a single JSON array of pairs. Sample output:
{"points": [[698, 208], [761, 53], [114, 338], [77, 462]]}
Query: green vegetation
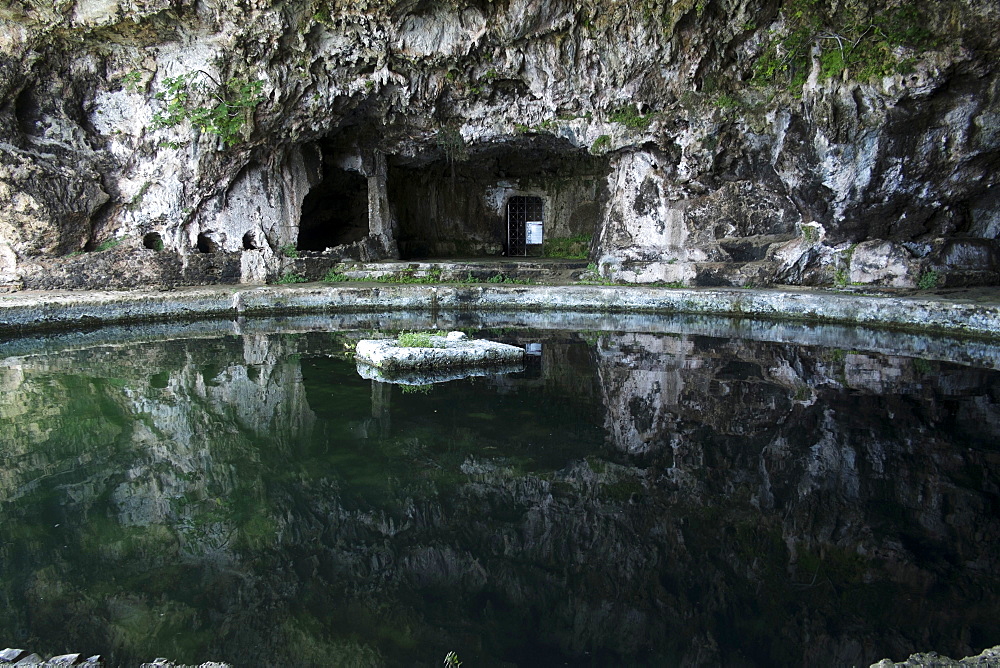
{"points": [[575, 247], [859, 40], [289, 250], [601, 144], [449, 139], [503, 278], [137, 199], [410, 276], [108, 245], [334, 276], [287, 278], [419, 339], [725, 102], [929, 280], [841, 277], [227, 110], [132, 81], [630, 117]]}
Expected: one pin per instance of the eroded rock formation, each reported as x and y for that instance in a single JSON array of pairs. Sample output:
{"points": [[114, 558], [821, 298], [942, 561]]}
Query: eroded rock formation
{"points": [[717, 142]]}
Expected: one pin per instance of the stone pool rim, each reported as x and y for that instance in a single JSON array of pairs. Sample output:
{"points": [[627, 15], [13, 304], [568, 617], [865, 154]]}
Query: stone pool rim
{"points": [[24, 312]]}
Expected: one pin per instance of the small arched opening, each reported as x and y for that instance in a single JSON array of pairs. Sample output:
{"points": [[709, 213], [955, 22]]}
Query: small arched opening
{"points": [[153, 241], [250, 241], [207, 242]]}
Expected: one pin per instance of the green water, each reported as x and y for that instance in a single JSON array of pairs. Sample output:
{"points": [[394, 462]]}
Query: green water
{"points": [[643, 498]]}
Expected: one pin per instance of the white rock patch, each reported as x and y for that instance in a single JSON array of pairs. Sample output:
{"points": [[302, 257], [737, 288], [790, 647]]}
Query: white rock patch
{"points": [[448, 351]]}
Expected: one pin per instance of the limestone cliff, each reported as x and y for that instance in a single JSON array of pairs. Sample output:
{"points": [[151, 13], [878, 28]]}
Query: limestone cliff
{"points": [[707, 142]]}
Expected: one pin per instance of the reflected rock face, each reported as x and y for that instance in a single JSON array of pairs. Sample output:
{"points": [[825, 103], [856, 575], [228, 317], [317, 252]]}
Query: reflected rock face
{"points": [[651, 498]]}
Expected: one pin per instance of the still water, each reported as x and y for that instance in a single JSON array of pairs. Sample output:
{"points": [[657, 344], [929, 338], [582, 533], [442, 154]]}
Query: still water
{"points": [[648, 491]]}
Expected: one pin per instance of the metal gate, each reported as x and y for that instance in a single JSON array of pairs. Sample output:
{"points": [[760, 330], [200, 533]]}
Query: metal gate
{"points": [[524, 224]]}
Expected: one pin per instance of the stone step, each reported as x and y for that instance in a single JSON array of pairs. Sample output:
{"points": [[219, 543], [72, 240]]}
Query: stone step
{"points": [[478, 270]]}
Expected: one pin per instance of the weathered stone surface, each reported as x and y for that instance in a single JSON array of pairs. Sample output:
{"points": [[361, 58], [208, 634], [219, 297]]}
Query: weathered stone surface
{"points": [[635, 123], [447, 352], [990, 658], [883, 263], [975, 316], [10, 654]]}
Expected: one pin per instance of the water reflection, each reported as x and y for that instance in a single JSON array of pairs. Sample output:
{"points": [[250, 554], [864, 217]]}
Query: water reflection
{"points": [[654, 494]]}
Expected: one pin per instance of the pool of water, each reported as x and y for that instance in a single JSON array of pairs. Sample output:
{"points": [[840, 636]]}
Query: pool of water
{"points": [[647, 491]]}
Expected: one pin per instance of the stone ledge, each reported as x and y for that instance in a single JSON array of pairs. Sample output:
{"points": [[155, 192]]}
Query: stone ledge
{"points": [[22, 312]]}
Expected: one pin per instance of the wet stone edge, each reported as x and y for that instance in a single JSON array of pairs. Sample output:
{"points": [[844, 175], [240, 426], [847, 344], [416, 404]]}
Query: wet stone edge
{"points": [[21, 313]]}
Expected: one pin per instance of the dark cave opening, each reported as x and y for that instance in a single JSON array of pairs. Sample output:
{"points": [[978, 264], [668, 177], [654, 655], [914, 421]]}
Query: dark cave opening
{"points": [[335, 211], [153, 241], [207, 242], [459, 209]]}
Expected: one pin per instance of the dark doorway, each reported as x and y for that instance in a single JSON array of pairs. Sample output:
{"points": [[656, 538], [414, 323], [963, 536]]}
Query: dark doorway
{"points": [[208, 242], [524, 224], [335, 211]]}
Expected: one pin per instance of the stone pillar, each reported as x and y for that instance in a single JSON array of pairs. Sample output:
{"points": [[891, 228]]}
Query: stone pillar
{"points": [[381, 223]]}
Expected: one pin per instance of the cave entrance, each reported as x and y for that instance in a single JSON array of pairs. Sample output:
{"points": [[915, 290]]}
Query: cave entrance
{"points": [[525, 220], [501, 199], [335, 212]]}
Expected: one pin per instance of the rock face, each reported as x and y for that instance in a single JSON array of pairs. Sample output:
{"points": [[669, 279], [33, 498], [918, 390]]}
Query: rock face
{"points": [[717, 142]]}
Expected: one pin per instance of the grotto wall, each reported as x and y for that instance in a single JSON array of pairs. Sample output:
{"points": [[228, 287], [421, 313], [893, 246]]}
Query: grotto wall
{"points": [[795, 142]]}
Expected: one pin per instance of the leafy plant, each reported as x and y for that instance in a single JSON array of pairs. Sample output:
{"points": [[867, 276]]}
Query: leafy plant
{"points": [[132, 81], [850, 38], [226, 106], [929, 280], [334, 276], [289, 277], [410, 276], [289, 250], [726, 102], [575, 247], [630, 117]]}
